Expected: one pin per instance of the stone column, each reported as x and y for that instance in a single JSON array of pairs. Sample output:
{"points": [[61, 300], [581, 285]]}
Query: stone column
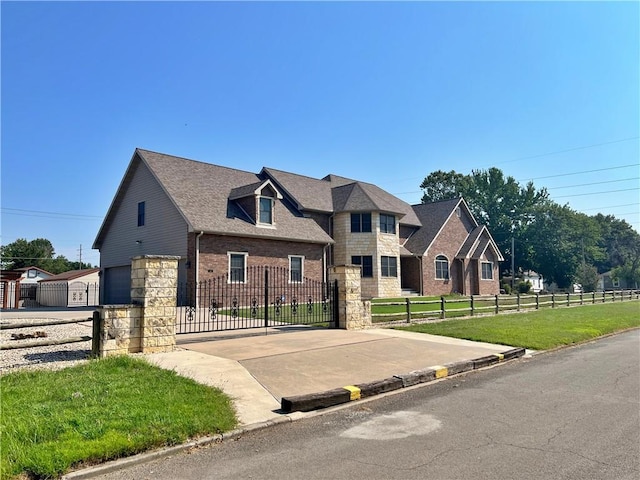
{"points": [[118, 329], [154, 281], [353, 312]]}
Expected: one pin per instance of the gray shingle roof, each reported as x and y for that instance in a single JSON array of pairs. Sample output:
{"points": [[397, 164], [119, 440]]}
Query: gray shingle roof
{"points": [[201, 193], [470, 242], [205, 195], [433, 217], [338, 194]]}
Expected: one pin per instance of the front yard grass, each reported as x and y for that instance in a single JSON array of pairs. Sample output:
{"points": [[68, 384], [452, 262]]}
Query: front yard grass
{"points": [[541, 329], [54, 420]]}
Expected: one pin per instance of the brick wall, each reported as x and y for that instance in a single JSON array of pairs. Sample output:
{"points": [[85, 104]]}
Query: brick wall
{"points": [[447, 243], [214, 261]]}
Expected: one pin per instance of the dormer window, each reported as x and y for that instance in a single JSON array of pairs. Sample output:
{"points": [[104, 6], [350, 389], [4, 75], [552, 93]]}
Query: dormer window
{"points": [[266, 211]]}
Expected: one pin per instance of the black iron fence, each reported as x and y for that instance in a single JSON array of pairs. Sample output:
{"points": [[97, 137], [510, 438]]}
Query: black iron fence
{"points": [[49, 294], [257, 297]]}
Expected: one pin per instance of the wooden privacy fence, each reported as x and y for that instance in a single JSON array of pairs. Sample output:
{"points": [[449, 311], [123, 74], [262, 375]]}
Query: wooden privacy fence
{"points": [[410, 309], [49, 342]]}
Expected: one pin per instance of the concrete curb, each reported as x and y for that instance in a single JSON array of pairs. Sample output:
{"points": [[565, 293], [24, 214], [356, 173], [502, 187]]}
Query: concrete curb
{"points": [[145, 457], [293, 406], [337, 396]]}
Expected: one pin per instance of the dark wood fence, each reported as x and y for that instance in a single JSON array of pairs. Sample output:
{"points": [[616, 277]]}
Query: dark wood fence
{"points": [[445, 307]]}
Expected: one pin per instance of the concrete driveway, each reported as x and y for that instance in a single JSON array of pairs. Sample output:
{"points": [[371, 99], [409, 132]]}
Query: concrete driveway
{"points": [[257, 371]]}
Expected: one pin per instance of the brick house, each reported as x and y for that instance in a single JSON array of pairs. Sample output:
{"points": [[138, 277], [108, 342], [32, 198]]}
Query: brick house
{"points": [[221, 221], [451, 253]]}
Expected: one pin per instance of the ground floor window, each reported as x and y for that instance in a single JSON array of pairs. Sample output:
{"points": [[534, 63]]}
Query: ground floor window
{"points": [[442, 267], [237, 267], [487, 271], [296, 264], [366, 262], [389, 266]]}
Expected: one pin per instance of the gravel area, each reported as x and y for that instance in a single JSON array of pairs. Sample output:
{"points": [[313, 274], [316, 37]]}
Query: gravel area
{"points": [[50, 357]]}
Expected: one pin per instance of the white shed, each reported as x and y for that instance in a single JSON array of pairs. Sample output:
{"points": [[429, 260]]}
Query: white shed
{"points": [[75, 288]]}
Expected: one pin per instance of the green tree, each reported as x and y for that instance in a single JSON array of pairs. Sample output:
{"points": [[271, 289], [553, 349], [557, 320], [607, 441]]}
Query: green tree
{"points": [[440, 185], [495, 200], [23, 253], [561, 240], [38, 253], [587, 276]]}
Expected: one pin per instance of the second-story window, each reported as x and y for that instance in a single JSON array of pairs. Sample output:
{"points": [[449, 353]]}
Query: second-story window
{"points": [[266, 210], [387, 223], [360, 222], [141, 214]]}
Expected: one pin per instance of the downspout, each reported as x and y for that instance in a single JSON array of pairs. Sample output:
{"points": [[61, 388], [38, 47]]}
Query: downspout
{"points": [[324, 263], [197, 265], [421, 274]]}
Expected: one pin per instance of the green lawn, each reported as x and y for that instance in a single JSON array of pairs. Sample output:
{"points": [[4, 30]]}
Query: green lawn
{"points": [[102, 410], [541, 329]]}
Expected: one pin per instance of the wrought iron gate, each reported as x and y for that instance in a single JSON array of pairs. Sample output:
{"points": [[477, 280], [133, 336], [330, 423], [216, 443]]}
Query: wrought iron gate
{"points": [[260, 297]]}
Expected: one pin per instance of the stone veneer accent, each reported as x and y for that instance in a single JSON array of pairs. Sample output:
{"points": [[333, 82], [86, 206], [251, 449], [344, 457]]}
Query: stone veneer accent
{"points": [[147, 326], [375, 244], [353, 312]]}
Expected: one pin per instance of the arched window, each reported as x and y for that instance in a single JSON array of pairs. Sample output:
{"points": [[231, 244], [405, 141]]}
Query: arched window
{"points": [[442, 267]]}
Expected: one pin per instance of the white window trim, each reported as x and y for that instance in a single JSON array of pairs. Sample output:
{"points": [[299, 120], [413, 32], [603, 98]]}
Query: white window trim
{"points": [[435, 268], [482, 271], [273, 213], [301, 257], [244, 276]]}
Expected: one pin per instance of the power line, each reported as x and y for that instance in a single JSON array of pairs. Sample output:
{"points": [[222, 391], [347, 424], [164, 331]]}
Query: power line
{"points": [[611, 206], [598, 193], [586, 171], [568, 150], [594, 183], [13, 211]]}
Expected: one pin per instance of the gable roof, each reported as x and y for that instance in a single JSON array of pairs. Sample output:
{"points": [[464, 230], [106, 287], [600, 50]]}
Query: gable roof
{"points": [[201, 193], [333, 194], [433, 217], [477, 243], [70, 275], [26, 269]]}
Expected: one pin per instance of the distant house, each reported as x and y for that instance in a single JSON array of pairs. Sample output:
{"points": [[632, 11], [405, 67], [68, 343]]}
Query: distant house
{"points": [[20, 284], [607, 282], [221, 220], [75, 288], [536, 280], [32, 274]]}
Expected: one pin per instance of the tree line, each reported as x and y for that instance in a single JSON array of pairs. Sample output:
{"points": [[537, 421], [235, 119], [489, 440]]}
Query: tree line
{"points": [[561, 244], [36, 253]]}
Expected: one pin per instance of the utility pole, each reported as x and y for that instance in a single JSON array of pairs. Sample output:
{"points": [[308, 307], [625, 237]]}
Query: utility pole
{"points": [[80, 257], [513, 263]]}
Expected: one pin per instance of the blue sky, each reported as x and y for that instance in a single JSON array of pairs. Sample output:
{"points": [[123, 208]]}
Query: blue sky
{"points": [[380, 92]]}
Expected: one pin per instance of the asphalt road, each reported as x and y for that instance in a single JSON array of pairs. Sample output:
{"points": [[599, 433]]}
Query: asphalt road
{"points": [[569, 414]]}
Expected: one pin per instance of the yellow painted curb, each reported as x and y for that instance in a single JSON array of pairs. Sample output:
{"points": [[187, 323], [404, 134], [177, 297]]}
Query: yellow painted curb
{"points": [[355, 392], [441, 371], [500, 356]]}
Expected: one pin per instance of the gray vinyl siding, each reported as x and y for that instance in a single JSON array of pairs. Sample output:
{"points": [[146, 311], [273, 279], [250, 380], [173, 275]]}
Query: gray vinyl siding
{"points": [[164, 232]]}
